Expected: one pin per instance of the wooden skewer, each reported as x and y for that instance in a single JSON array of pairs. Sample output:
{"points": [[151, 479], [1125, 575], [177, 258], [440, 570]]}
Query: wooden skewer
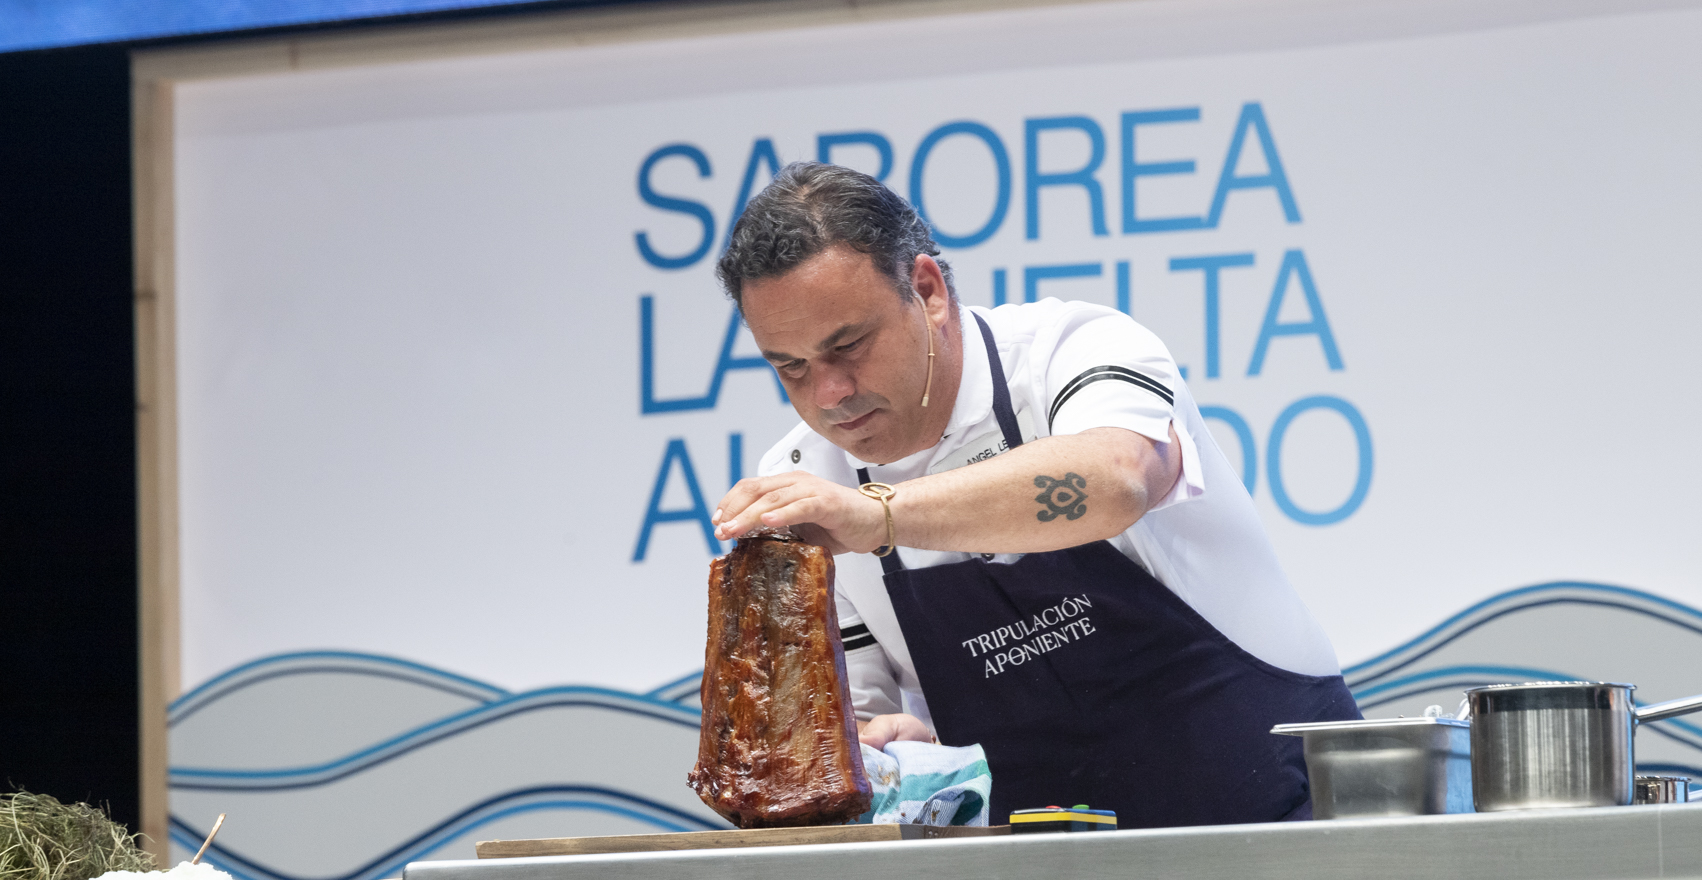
{"points": [[209, 841]]}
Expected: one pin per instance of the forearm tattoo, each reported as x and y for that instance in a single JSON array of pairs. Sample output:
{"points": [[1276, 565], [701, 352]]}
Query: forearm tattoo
{"points": [[1066, 497]]}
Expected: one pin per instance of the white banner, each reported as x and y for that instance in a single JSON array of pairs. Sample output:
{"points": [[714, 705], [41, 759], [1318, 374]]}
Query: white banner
{"points": [[457, 388]]}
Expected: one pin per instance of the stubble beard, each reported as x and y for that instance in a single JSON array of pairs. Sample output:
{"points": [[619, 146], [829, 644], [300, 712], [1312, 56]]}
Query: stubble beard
{"points": [[879, 448]]}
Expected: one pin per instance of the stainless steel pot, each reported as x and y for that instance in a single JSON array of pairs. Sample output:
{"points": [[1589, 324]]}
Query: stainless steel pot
{"points": [[1557, 744]]}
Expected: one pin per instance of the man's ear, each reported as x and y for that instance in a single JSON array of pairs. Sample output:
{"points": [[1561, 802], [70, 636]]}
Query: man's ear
{"points": [[930, 284]]}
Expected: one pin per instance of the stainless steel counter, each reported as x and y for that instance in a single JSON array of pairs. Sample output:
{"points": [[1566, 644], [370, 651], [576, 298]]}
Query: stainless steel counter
{"points": [[1607, 842]]}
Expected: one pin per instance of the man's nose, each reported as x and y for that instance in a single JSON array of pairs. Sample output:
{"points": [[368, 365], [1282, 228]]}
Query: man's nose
{"points": [[833, 385]]}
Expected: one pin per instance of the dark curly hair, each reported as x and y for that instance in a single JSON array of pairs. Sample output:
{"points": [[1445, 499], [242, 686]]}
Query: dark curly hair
{"points": [[810, 207]]}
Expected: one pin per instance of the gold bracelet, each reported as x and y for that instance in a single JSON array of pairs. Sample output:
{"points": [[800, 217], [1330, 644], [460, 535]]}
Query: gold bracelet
{"points": [[883, 493]]}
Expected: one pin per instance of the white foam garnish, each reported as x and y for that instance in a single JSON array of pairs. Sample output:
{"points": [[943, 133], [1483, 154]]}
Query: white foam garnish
{"points": [[183, 871]]}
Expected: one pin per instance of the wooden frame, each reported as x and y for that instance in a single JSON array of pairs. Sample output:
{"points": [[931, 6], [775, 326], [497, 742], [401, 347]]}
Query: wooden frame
{"points": [[156, 447], [155, 74]]}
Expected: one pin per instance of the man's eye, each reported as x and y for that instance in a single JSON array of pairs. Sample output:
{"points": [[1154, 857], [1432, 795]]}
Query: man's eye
{"points": [[791, 368], [849, 347]]}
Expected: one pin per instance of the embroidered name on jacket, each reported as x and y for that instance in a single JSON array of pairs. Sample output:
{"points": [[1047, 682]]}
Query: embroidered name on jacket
{"points": [[1027, 639], [984, 447]]}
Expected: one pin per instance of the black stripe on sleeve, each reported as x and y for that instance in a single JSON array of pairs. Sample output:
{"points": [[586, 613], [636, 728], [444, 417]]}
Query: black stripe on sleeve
{"points": [[856, 636], [1108, 372]]}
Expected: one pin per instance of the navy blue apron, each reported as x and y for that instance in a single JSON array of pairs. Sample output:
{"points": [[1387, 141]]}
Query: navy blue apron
{"points": [[1089, 682]]}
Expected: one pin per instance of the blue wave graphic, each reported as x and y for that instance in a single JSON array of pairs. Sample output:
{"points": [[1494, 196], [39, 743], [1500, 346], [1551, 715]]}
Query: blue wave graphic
{"points": [[681, 690], [538, 799], [276, 666], [455, 725], [1522, 599], [586, 765]]}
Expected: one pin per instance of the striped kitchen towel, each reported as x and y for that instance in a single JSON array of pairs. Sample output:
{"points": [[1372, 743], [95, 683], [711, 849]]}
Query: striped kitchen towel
{"points": [[925, 784]]}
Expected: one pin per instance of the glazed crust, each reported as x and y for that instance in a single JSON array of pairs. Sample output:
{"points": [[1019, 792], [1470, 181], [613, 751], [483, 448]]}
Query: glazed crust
{"points": [[779, 738]]}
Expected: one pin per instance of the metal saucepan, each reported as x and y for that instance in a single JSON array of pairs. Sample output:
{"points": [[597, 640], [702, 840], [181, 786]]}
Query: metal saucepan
{"points": [[1557, 743], [1660, 790]]}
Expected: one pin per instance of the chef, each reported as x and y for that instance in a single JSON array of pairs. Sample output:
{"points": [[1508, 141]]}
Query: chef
{"points": [[1039, 547]]}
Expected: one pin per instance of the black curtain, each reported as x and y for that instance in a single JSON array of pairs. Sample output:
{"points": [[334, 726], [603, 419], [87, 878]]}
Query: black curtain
{"points": [[68, 664]]}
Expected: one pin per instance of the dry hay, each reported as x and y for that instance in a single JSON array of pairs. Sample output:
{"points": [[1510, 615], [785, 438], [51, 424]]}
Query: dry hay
{"points": [[43, 839]]}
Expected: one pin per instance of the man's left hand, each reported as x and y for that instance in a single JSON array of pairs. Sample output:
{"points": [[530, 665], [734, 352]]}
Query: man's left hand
{"points": [[882, 729], [819, 511]]}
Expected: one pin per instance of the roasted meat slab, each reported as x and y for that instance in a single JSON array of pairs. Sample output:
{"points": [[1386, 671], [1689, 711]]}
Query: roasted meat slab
{"points": [[779, 742]]}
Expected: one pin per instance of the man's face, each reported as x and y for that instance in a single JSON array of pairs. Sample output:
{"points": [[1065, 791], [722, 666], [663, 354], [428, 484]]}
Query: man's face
{"points": [[852, 354]]}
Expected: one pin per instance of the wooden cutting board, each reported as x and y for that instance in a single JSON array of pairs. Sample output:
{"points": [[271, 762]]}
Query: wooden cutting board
{"points": [[628, 843]]}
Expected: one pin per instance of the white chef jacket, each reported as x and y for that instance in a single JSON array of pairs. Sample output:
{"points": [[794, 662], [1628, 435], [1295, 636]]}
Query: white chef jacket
{"points": [[1204, 540]]}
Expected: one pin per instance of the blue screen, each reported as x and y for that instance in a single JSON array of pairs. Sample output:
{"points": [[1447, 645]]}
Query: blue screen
{"points": [[40, 24]]}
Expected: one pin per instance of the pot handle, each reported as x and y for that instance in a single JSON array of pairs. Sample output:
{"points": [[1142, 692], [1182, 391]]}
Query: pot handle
{"points": [[1669, 709]]}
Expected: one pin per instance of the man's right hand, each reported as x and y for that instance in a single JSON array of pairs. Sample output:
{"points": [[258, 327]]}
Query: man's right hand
{"points": [[882, 729], [820, 511]]}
